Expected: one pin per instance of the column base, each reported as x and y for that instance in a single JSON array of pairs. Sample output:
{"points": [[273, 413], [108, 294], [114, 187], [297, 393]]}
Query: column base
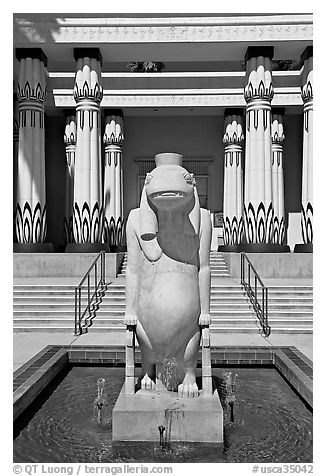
{"points": [[87, 248], [33, 248], [303, 248], [118, 248], [264, 248], [229, 248]]}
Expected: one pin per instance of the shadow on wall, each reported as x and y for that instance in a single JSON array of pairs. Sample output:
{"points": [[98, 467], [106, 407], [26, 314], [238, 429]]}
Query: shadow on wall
{"points": [[31, 28]]}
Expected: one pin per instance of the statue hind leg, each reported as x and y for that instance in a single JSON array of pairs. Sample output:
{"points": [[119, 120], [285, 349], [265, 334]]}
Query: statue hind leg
{"points": [[148, 367], [188, 388]]}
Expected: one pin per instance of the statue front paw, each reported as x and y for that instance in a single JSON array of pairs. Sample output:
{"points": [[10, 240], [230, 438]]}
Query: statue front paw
{"points": [[188, 390], [130, 320], [204, 320]]}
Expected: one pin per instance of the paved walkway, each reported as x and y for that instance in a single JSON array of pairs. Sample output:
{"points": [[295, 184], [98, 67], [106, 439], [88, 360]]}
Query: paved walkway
{"points": [[27, 344], [121, 280]]}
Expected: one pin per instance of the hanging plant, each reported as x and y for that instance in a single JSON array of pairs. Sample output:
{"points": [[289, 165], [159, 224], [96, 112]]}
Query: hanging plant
{"points": [[146, 66]]}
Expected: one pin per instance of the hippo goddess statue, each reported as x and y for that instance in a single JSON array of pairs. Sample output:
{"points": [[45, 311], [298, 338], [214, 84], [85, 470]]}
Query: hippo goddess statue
{"points": [[168, 274]]}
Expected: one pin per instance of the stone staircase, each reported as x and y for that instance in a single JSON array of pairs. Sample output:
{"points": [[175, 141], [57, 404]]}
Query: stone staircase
{"points": [[48, 308], [51, 307], [218, 266], [290, 309]]}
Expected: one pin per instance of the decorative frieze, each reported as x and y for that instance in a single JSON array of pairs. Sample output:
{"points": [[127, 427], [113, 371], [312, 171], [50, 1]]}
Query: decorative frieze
{"points": [[31, 197], [230, 98], [253, 28], [113, 224], [87, 209], [233, 192]]}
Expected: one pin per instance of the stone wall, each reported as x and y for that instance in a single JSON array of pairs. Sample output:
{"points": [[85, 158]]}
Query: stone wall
{"points": [[47, 265], [274, 265]]}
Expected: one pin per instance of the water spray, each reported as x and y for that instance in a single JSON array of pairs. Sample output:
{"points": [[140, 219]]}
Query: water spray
{"points": [[100, 401]]}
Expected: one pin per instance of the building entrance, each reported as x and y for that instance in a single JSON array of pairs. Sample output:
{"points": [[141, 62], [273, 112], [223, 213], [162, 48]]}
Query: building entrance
{"points": [[199, 167]]}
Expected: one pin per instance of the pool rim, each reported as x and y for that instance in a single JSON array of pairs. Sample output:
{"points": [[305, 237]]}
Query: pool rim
{"points": [[33, 376]]}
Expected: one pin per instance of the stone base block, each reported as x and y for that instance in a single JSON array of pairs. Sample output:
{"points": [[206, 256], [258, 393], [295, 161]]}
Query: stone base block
{"points": [[33, 248], [263, 248], [229, 248], [137, 417], [118, 248], [303, 248], [87, 247]]}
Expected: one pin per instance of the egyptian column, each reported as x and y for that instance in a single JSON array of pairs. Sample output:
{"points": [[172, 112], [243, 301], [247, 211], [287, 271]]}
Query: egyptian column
{"points": [[258, 93], [277, 175], [31, 198], [88, 93], [233, 190], [113, 179], [70, 137], [307, 97], [15, 155]]}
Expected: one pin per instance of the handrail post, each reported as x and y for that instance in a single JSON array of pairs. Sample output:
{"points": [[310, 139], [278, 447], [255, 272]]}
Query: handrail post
{"points": [[267, 326], [88, 293], [263, 310], [102, 267], [249, 274], [79, 311], [104, 277], [241, 268], [96, 280], [76, 311]]}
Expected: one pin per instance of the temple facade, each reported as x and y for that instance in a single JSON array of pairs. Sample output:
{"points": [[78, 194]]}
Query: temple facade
{"points": [[232, 94]]}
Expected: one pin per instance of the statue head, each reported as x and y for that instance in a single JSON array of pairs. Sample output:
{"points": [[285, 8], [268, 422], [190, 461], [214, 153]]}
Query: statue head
{"points": [[168, 187]]}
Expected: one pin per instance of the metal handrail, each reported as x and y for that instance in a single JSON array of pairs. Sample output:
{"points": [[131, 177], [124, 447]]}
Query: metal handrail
{"points": [[261, 308], [79, 315]]}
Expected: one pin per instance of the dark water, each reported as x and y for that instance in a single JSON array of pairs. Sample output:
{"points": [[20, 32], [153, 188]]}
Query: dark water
{"points": [[271, 424]]}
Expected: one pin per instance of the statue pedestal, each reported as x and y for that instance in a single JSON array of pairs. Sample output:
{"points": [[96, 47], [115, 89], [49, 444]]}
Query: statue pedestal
{"points": [[137, 417]]}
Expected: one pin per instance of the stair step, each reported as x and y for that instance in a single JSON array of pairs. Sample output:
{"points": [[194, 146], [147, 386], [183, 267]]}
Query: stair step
{"points": [[289, 307], [215, 305], [44, 322], [219, 330], [39, 314], [40, 329], [44, 287], [51, 307]]}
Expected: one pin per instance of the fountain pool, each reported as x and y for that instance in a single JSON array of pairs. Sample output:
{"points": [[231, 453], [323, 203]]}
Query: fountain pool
{"points": [[271, 422]]}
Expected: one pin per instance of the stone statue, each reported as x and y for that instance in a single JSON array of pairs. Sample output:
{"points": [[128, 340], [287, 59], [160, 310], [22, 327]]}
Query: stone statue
{"points": [[168, 274]]}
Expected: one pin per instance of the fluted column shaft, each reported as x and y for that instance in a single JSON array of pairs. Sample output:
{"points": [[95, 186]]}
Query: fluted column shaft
{"points": [[307, 192], [113, 180], [31, 199], [70, 137], [233, 191], [88, 93], [15, 155], [278, 177], [258, 93]]}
